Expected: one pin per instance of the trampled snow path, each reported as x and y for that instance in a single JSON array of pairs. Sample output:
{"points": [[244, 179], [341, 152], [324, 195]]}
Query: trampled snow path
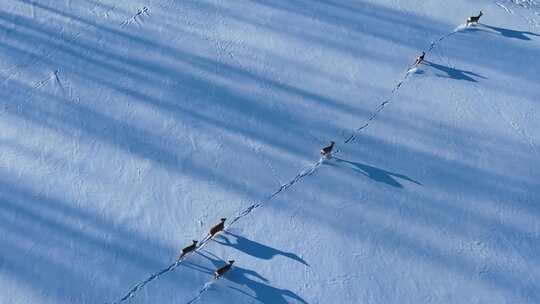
{"points": [[434, 43], [395, 89], [410, 71], [306, 172], [315, 166], [351, 138], [201, 292], [137, 18], [460, 102]]}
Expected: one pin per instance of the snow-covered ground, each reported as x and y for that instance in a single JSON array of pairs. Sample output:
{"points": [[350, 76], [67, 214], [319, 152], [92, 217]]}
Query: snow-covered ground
{"points": [[128, 128]]}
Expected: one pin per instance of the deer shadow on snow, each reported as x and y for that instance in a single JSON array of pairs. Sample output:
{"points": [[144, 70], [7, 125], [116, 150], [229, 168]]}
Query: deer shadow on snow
{"points": [[521, 35], [263, 292], [376, 174], [453, 72], [255, 282], [255, 249]]}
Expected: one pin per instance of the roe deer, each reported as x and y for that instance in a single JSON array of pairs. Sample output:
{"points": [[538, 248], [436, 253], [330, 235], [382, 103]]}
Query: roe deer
{"points": [[221, 271], [474, 19], [326, 151]]}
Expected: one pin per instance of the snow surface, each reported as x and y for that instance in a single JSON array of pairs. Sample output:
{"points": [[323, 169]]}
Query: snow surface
{"points": [[130, 127]]}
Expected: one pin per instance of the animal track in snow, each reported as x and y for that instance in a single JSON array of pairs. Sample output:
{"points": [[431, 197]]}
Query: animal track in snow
{"points": [[137, 18]]}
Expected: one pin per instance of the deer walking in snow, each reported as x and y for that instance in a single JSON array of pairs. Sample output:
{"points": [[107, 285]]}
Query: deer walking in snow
{"points": [[473, 19]]}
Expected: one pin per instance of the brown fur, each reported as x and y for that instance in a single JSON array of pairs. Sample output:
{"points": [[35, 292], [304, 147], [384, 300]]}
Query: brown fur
{"points": [[474, 19], [217, 228], [420, 58], [327, 150], [188, 249], [221, 271]]}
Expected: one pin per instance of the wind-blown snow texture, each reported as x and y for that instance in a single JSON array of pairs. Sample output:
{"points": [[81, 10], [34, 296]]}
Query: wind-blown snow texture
{"points": [[130, 127]]}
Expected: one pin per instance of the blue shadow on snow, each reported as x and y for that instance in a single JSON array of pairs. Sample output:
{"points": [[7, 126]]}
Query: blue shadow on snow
{"points": [[522, 35], [374, 173], [256, 249], [454, 73], [264, 293]]}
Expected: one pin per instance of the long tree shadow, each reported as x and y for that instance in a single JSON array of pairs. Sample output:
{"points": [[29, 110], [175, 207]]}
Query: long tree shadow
{"points": [[522, 35], [256, 249], [454, 73], [152, 74], [376, 174], [74, 247], [264, 293]]}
